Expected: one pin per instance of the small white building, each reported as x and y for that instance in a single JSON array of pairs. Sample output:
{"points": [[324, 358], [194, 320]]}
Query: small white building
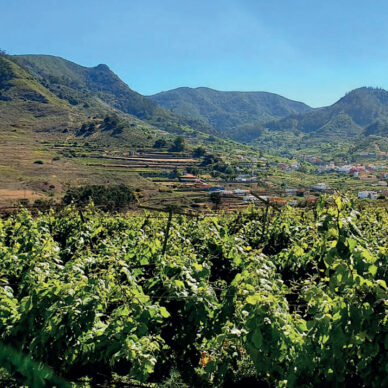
{"points": [[290, 192], [249, 198], [246, 178], [240, 192], [345, 169], [367, 194], [320, 187]]}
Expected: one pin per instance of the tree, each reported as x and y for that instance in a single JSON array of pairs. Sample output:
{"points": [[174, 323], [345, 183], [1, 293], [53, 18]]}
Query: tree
{"points": [[198, 152], [174, 173], [160, 143], [111, 122], [216, 199], [193, 170], [178, 145], [116, 197], [209, 159]]}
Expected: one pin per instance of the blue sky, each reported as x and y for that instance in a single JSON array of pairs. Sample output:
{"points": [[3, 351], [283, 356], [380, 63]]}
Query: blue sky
{"points": [[309, 50]]}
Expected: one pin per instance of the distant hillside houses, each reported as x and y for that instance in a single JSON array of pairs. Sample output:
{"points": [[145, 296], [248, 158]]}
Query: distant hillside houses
{"points": [[216, 189], [368, 194], [188, 178], [311, 159], [246, 178], [357, 170], [320, 187], [250, 198], [291, 192], [241, 192], [366, 154], [294, 166]]}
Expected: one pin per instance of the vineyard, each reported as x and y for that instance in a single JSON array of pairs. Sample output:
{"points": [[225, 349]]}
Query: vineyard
{"points": [[266, 297]]}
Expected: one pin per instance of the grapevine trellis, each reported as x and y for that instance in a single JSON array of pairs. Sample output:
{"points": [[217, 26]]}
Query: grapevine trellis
{"points": [[283, 297]]}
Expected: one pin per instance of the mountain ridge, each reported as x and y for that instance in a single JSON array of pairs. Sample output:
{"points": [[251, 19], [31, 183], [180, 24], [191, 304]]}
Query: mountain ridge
{"points": [[97, 84], [227, 110], [354, 111], [346, 118], [243, 116]]}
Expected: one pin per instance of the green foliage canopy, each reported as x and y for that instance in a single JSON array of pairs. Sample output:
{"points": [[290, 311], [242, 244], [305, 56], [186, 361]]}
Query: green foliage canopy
{"points": [[295, 298]]}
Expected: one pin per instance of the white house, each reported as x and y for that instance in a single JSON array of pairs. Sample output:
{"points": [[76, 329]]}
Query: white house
{"points": [[290, 192], [345, 169], [250, 198], [240, 192], [320, 187], [367, 194]]}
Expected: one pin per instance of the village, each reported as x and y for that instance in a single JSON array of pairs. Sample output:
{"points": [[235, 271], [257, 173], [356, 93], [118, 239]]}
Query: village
{"points": [[373, 176], [235, 181]]}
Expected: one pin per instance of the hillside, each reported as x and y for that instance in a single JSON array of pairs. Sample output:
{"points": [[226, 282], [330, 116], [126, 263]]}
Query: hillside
{"points": [[64, 125], [96, 86], [231, 113], [346, 118], [25, 101], [378, 128], [275, 123], [41, 136], [29, 102]]}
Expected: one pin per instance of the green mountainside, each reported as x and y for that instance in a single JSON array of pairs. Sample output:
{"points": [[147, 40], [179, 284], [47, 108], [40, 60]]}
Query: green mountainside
{"points": [[62, 125], [30, 103], [51, 87], [275, 123], [50, 94], [347, 117], [22, 98], [378, 128], [37, 125], [96, 86], [231, 113]]}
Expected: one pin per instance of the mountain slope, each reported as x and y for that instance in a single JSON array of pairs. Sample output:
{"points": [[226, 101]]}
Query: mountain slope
{"points": [[378, 128], [30, 105], [99, 85], [62, 124], [346, 118], [228, 111], [25, 103]]}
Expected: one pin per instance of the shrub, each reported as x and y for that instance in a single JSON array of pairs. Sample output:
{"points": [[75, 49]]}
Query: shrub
{"points": [[112, 197], [160, 143], [178, 145]]}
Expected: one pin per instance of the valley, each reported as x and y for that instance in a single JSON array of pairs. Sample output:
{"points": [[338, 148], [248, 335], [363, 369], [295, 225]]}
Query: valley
{"points": [[193, 194], [63, 125]]}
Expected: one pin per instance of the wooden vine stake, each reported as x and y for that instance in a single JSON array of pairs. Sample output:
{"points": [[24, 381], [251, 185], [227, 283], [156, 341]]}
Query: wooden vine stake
{"points": [[166, 234]]}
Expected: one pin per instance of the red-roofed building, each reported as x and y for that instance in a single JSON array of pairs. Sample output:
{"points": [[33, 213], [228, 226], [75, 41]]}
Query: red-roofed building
{"points": [[188, 178]]}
